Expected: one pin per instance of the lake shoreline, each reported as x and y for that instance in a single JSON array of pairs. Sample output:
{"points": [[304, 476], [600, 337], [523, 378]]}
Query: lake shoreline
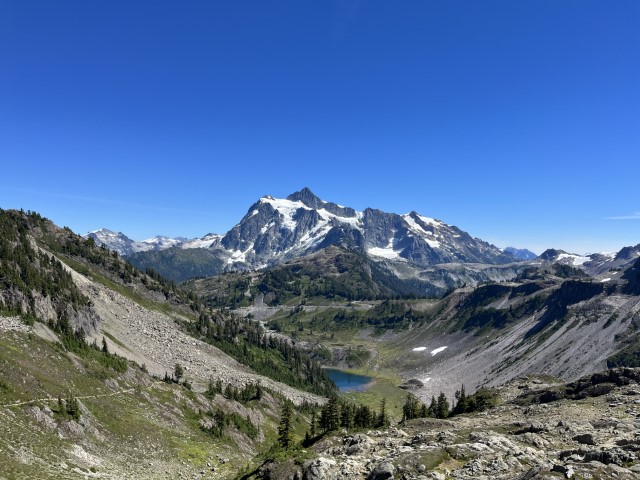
{"points": [[347, 381]]}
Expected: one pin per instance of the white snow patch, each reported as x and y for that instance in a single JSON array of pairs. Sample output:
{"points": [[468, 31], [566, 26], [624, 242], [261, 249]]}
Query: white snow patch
{"points": [[605, 280], [430, 221], [264, 229], [386, 252], [427, 379], [419, 349], [383, 252], [204, 242], [239, 256], [286, 208], [353, 221], [437, 350], [417, 228], [573, 259]]}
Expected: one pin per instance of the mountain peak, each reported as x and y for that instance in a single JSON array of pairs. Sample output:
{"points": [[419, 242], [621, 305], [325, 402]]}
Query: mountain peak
{"points": [[307, 197]]}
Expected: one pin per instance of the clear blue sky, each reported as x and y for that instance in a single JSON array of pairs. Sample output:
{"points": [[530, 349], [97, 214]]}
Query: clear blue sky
{"points": [[518, 121]]}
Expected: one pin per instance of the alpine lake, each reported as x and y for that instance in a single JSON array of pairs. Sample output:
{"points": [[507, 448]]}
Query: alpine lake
{"points": [[349, 382]]}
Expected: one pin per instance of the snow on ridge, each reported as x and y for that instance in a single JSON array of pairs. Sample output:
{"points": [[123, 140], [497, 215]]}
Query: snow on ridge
{"points": [[417, 228], [288, 208], [204, 242], [353, 221], [574, 259], [430, 221]]}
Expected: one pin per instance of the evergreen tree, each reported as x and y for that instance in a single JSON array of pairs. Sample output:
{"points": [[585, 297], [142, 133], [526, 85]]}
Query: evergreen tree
{"points": [[347, 413], [442, 407], [411, 407], [383, 419], [105, 347], [432, 407], [284, 428], [330, 415], [178, 372], [258, 394], [462, 401], [73, 407], [312, 427], [211, 388]]}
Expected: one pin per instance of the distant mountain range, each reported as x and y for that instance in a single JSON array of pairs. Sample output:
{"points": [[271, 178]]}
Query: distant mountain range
{"points": [[416, 249]]}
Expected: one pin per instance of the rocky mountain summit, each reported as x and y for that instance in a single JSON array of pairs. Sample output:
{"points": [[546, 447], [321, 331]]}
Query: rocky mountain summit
{"points": [[274, 230], [119, 242]]}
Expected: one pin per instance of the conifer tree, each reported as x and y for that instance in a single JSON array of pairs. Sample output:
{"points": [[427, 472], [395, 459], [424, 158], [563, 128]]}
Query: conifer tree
{"points": [[411, 407], [462, 403], [442, 407], [312, 427], [178, 372], [383, 419], [330, 415], [284, 428], [432, 407]]}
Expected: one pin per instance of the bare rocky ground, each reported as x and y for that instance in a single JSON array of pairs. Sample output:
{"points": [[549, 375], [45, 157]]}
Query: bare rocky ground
{"points": [[593, 438], [154, 339], [575, 348]]}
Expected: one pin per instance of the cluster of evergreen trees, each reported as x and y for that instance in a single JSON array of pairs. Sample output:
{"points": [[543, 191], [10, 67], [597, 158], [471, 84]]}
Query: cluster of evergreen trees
{"points": [[68, 408], [220, 420], [335, 414], [440, 408], [75, 341], [244, 395], [27, 273], [248, 343]]}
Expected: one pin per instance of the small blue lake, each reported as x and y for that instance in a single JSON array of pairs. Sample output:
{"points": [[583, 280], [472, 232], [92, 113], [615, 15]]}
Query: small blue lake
{"points": [[348, 382]]}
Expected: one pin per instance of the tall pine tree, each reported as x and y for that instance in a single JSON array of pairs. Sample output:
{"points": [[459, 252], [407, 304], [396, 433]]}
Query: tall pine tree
{"points": [[284, 429]]}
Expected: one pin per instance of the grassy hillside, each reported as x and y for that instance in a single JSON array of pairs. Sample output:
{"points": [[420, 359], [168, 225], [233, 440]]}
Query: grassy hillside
{"points": [[125, 424]]}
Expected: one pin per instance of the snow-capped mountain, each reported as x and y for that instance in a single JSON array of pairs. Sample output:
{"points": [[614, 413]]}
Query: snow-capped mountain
{"points": [[275, 230], [593, 263], [205, 242], [125, 246]]}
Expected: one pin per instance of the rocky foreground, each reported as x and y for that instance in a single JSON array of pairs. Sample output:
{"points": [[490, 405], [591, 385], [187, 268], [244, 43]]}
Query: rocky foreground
{"points": [[543, 429]]}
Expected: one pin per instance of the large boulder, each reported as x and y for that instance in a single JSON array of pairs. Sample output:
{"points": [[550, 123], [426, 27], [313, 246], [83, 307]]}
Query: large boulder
{"points": [[382, 471]]}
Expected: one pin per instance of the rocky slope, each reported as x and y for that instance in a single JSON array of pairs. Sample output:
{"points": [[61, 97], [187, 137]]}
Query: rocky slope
{"points": [[152, 338], [590, 432]]}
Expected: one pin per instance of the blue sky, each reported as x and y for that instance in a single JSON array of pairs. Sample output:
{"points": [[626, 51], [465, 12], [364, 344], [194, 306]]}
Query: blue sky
{"points": [[518, 121]]}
